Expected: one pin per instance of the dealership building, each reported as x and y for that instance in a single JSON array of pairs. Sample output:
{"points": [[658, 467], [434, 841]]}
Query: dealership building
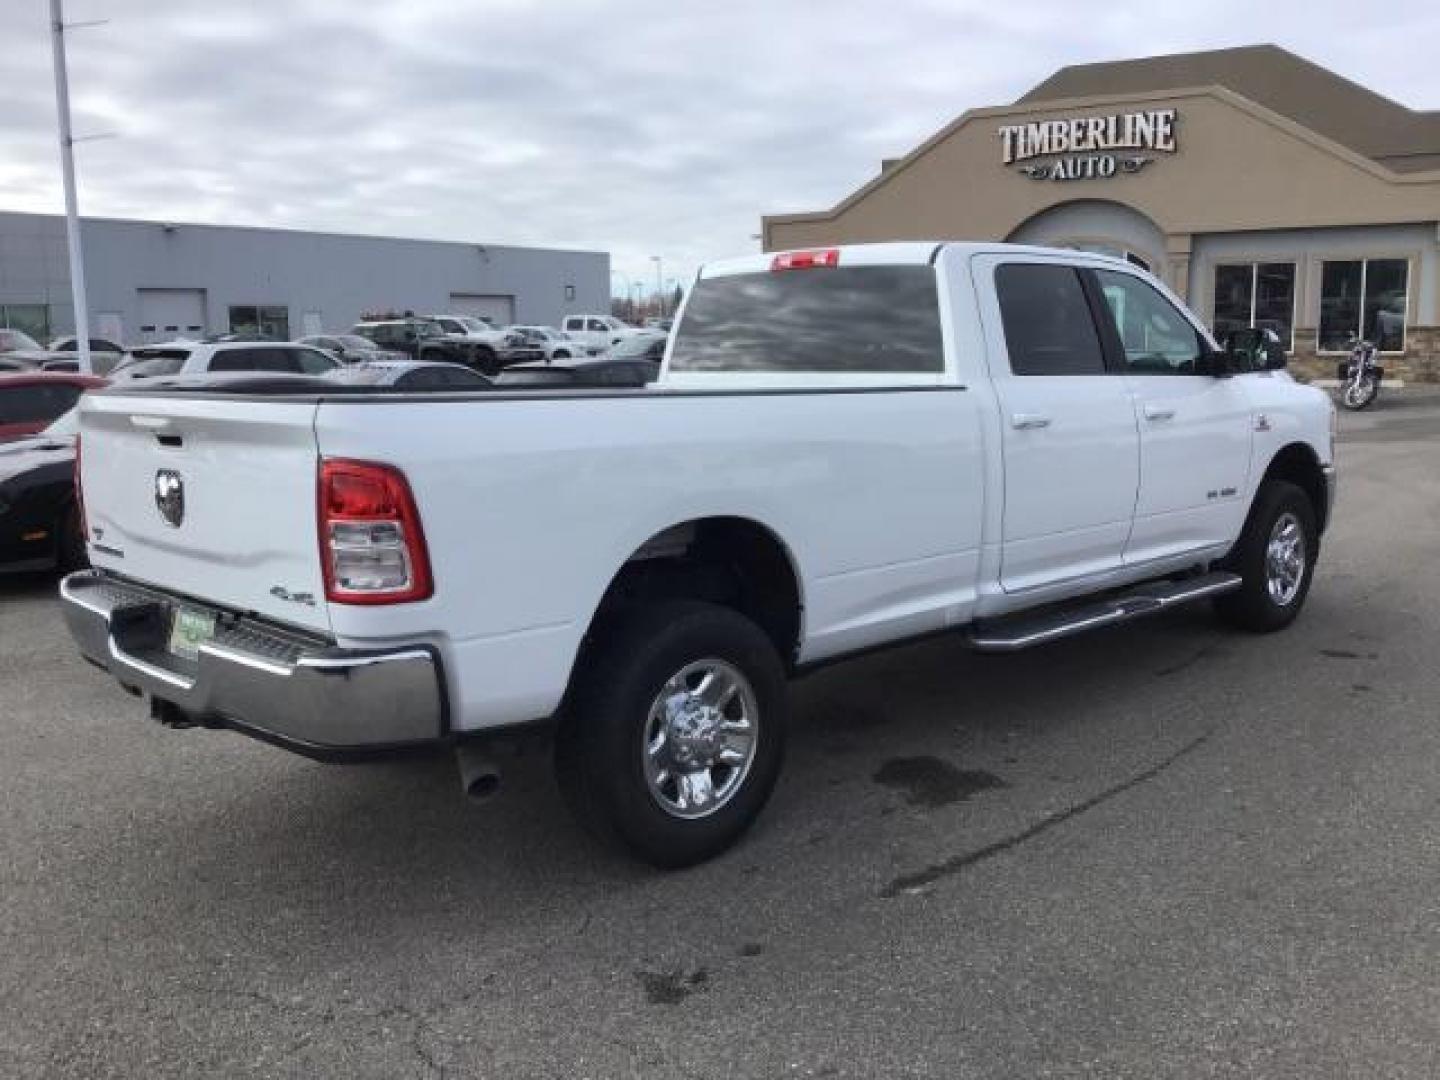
{"points": [[151, 281], [1265, 190]]}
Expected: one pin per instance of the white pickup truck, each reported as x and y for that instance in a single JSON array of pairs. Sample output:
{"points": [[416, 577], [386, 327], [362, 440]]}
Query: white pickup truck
{"points": [[846, 448]]}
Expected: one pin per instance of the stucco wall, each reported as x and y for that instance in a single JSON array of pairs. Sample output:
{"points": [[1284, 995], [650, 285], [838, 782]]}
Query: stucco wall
{"points": [[1238, 167]]}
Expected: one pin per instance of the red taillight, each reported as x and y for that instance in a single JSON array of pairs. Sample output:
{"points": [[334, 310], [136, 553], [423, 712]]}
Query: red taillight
{"points": [[372, 548], [805, 260], [80, 496]]}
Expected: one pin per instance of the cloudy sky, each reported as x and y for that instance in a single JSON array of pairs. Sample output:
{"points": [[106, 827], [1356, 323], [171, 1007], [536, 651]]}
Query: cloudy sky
{"points": [[632, 127]]}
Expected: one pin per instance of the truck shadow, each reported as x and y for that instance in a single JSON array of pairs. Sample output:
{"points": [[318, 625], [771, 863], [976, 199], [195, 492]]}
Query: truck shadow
{"points": [[384, 847], [28, 585]]}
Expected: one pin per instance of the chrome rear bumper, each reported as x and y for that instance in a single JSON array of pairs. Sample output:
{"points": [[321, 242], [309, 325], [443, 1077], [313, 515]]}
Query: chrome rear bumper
{"points": [[283, 686]]}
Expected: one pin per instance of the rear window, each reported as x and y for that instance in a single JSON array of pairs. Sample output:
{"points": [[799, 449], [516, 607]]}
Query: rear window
{"points": [[845, 319], [152, 362]]}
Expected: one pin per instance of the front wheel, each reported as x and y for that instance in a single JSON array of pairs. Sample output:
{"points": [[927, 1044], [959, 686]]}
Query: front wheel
{"points": [[1360, 393], [1275, 558], [674, 733]]}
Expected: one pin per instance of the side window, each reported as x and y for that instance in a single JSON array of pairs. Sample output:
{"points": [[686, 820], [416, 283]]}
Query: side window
{"points": [[251, 360], [1048, 326], [419, 379], [596, 324], [1155, 337], [574, 324]]}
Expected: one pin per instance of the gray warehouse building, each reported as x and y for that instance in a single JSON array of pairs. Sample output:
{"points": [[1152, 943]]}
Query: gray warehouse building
{"points": [[151, 281]]}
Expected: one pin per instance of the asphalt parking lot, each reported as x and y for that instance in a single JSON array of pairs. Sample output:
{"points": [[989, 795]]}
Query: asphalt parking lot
{"points": [[1162, 851]]}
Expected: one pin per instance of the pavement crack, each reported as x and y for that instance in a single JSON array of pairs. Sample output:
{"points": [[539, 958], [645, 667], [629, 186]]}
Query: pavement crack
{"points": [[930, 874]]}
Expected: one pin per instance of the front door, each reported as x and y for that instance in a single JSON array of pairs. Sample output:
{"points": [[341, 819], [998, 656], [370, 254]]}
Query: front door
{"points": [[1195, 429], [1068, 438]]}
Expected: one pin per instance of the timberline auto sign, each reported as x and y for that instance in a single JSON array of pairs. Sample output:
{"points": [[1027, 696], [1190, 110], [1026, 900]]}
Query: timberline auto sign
{"points": [[1087, 147]]}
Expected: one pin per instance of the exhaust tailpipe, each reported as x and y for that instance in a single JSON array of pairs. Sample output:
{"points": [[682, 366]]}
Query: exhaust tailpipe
{"points": [[479, 775]]}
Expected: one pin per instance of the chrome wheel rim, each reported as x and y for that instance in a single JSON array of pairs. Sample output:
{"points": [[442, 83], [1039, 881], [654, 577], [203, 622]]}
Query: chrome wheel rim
{"points": [[1285, 560], [700, 738]]}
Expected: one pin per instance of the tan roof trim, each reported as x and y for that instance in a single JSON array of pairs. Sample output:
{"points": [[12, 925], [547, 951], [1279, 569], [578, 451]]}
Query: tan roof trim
{"points": [[1030, 108]]}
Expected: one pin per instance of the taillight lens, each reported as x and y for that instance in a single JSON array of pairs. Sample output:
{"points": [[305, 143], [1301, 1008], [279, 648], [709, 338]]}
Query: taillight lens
{"points": [[805, 260], [371, 545]]}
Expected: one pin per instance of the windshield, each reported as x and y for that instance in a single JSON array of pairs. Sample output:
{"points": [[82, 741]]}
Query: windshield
{"points": [[354, 341], [17, 340], [474, 325], [645, 345]]}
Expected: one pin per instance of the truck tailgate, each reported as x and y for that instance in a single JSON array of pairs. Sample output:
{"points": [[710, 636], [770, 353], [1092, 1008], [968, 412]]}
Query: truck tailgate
{"points": [[244, 534]]}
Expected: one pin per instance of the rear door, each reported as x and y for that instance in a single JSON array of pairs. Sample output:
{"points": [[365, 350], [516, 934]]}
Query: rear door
{"points": [[245, 536], [1195, 429], [1069, 443]]}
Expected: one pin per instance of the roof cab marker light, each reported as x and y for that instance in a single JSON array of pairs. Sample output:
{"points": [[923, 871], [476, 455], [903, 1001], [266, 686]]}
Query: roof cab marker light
{"points": [[805, 260]]}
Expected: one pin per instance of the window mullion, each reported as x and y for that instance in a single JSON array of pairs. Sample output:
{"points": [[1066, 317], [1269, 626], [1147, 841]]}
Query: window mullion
{"points": [[1364, 269]]}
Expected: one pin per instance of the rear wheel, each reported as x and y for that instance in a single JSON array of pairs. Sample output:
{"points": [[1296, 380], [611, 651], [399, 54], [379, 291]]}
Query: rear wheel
{"points": [[674, 733], [1275, 558]]}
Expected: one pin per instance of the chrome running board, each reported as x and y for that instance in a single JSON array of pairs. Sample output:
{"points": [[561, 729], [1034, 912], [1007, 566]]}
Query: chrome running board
{"points": [[1025, 630]]}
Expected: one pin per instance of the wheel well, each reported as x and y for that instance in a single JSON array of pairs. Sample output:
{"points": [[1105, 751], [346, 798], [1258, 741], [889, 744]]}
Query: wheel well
{"points": [[724, 560], [1298, 464]]}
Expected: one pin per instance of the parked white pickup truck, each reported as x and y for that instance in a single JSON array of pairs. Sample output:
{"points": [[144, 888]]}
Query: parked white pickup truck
{"points": [[845, 449]]}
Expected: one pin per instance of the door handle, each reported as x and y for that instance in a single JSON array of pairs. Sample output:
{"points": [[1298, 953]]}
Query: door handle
{"points": [[1024, 421], [1156, 412]]}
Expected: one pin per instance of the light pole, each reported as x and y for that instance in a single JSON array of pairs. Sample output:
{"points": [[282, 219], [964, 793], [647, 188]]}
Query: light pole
{"points": [[659, 288], [67, 172]]}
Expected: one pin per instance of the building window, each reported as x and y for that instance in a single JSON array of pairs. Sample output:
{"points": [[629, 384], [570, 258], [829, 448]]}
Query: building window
{"points": [[1255, 295], [1364, 298], [265, 322], [32, 319]]}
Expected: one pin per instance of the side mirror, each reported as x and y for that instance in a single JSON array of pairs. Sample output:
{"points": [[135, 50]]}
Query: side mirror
{"points": [[1255, 349]]}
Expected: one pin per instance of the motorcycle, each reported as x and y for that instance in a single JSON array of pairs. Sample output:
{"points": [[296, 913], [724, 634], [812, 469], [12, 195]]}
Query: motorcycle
{"points": [[1360, 376]]}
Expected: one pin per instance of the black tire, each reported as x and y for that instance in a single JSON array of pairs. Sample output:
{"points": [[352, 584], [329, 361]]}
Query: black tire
{"points": [[485, 361], [70, 553], [599, 752], [1253, 606]]}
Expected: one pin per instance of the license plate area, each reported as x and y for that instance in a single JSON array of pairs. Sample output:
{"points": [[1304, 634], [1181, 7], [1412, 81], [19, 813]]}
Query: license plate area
{"points": [[189, 629]]}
